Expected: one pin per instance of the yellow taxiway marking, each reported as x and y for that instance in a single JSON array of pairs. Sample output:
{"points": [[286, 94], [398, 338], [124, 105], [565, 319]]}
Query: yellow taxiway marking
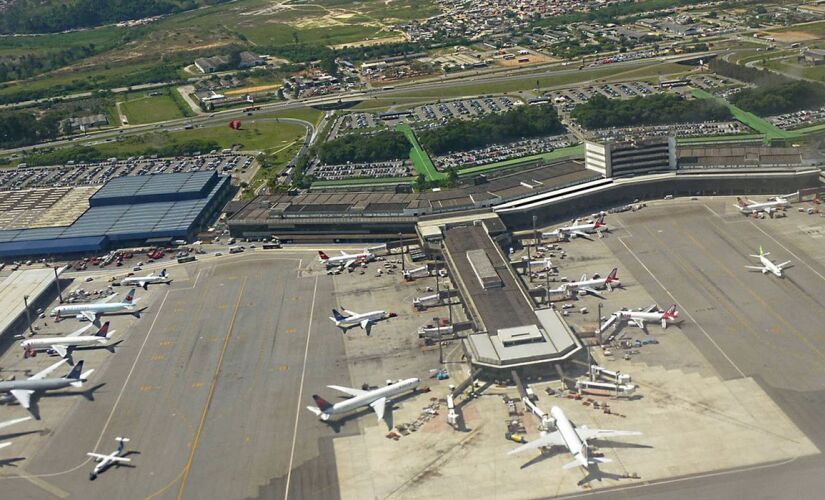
{"points": [[217, 373]]}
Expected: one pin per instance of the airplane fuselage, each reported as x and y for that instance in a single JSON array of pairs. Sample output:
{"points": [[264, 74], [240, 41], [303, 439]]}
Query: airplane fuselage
{"points": [[148, 280], [45, 343], [340, 260], [76, 309], [36, 385], [571, 439], [357, 402], [767, 206]]}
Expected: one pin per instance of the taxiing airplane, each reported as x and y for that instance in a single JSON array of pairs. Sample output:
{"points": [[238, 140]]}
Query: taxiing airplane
{"points": [[346, 259], [376, 399], [64, 345], [574, 439], [22, 390], [576, 229], [353, 319], [9, 423], [94, 310], [748, 207], [767, 265], [106, 461], [145, 281], [652, 313], [591, 286]]}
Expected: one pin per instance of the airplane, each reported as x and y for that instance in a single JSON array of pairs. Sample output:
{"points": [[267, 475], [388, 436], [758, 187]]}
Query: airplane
{"points": [[638, 318], [591, 286], [576, 229], [748, 207], [346, 259], [22, 390], [94, 310], [574, 439], [63, 345], [106, 461], [767, 265], [145, 281], [9, 423], [543, 264], [365, 320], [375, 399]]}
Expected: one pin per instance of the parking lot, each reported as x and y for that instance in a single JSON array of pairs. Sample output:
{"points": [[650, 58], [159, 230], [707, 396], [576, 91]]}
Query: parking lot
{"points": [[799, 119], [501, 152], [398, 168], [84, 174]]}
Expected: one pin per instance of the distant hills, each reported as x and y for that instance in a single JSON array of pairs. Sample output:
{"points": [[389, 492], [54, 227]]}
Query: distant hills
{"points": [[49, 16]]}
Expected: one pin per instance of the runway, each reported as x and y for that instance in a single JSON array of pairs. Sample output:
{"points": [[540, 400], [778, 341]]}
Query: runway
{"points": [[210, 386]]}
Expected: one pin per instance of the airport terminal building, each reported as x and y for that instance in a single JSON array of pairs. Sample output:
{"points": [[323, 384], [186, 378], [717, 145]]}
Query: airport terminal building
{"points": [[126, 211]]}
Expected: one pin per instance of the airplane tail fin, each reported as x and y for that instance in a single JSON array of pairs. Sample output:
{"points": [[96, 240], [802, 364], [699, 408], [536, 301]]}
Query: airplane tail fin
{"points": [[104, 331], [338, 316], [600, 220], [130, 297], [163, 273], [323, 404], [671, 313], [613, 276], [324, 257], [741, 201], [74, 374]]}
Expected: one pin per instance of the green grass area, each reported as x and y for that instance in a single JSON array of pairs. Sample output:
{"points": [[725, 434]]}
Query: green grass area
{"points": [[259, 136], [308, 114], [37, 44], [815, 28], [577, 150], [751, 120], [789, 67], [664, 69], [421, 160], [145, 108]]}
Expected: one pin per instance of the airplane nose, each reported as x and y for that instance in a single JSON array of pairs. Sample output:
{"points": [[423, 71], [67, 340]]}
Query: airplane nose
{"points": [[393, 315]]}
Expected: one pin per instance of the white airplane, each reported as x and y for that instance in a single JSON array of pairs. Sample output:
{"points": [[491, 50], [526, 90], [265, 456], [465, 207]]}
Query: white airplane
{"points": [[145, 281], [767, 265], [346, 259], [574, 439], [94, 310], [106, 461], [22, 390], [353, 319], [63, 345], [576, 229], [639, 318], [748, 207], [376, 399], [591, 286], [9, 423]]}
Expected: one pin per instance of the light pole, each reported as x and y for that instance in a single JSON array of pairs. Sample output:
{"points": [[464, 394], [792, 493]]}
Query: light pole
{"points": [[28, 314], [401, 249], [438, 334], [57, 284]]}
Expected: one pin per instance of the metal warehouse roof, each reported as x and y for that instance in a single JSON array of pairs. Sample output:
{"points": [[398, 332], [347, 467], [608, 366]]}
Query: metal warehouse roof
{"points": [[131, 221], [19, 283], [152, 188]]}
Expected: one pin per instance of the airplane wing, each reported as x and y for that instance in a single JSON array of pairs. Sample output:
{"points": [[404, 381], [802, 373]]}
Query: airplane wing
{"points": [[639, 323], [77, 332], [61, 350], [3, 445], [651, 308], [782, 265], [23, 396], [92, 317], [593, 291], [347, 390], [378, 407], [142, 283], [350, 262], [545, 441], [586, 434], [580, 234], [755, 268], [44, 373], [367, 326], [105, 299], [100, 456]]}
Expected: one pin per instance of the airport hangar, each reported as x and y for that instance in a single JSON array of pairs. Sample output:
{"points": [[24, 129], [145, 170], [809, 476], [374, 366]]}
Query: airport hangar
{"points": [[551, 192], [126, 211]]}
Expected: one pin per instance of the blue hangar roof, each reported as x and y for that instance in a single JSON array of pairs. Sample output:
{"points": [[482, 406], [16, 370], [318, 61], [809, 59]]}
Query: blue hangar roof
{"points": [[126, 209]]}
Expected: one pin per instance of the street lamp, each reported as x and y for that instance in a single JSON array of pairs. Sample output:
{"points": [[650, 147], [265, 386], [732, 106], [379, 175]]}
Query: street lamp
{"points": [[28, 314]]}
